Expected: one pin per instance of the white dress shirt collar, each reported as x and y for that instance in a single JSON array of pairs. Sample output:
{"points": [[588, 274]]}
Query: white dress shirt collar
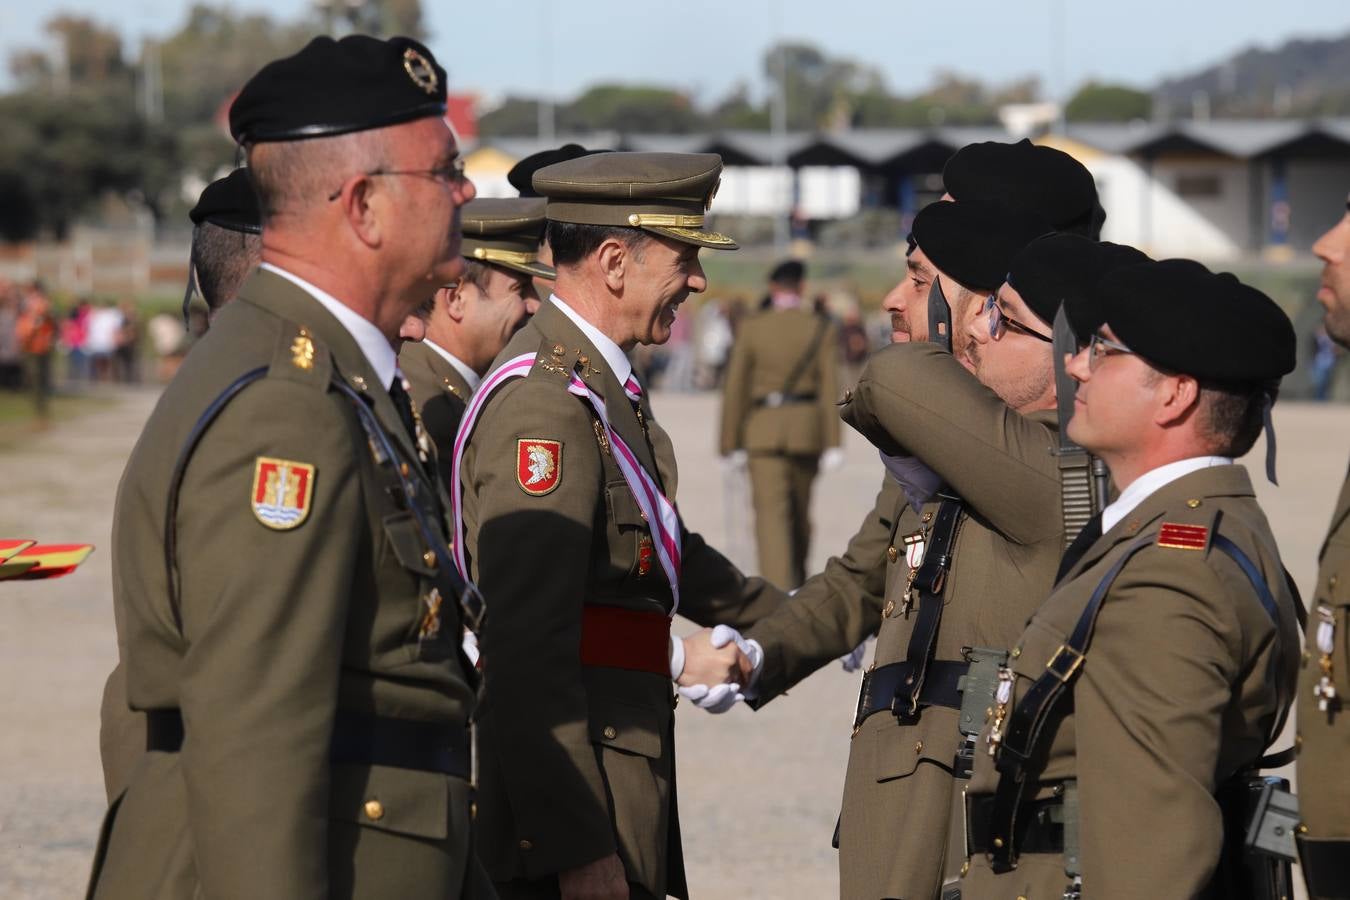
{"points": [[1153, 481], [471, 378], [374, 345], [613, 354]]}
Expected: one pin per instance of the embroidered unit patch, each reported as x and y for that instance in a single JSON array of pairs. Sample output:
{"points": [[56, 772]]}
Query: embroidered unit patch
{"points": [[282, 492], [538, 465]]}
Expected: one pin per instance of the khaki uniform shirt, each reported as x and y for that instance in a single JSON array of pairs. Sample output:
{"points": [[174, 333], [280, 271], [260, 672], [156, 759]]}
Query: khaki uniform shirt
{"points": [[1179, 689], [279, 630], [576, 762], [1324, 755], [769, 346]]}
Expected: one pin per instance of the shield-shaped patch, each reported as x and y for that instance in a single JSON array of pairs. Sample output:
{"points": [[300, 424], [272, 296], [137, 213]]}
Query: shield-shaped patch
{"points": [[538, 465], [283, 491]]}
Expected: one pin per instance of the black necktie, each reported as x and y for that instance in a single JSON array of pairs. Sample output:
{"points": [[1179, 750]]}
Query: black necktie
{"points": [[403, 403], [1085, 539]]}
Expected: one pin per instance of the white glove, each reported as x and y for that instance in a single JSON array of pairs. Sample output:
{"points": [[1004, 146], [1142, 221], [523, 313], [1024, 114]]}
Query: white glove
{"points": [[853, 660], [832, 459], [676, 657], [716, 699], [736, 460], [918, 481], [725, 634]]}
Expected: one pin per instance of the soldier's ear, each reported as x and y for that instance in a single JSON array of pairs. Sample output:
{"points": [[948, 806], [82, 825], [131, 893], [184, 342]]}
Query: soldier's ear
{"points": [[613, 258], [454, 300]]}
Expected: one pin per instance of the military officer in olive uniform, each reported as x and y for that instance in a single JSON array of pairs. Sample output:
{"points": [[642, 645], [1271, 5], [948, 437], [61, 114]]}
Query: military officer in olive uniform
{"points": [[778, 417], [469, 322], [570, 526], [288, 614], [1323, 776], [1164, 662]]}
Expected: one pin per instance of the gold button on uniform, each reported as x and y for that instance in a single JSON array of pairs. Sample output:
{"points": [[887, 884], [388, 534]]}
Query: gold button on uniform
{"points": [[526, 845], [610, 732], [429, 558], [892, 554], [965, 868], [374, 810], [1192, 503], [1016, 652], [918, 746]]}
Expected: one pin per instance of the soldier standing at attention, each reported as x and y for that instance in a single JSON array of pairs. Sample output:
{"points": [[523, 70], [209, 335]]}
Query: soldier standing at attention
{"points": [[778, 416], [569, 525], [469, 321], [1163, 663], [288, 614], [1323, 775]]}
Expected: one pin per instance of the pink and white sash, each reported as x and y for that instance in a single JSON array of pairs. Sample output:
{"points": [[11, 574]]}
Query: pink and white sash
{"points": [[656, 508]]}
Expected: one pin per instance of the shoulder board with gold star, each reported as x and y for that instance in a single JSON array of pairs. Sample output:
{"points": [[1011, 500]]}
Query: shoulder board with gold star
{"points": [[301, 356]]}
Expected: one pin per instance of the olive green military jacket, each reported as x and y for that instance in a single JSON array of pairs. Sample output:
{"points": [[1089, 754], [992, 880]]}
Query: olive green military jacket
{"points": [[1324, 788], [303, 596], [1180, 688], [577, 762], [769, 346], [439, 394], [899, 791]]}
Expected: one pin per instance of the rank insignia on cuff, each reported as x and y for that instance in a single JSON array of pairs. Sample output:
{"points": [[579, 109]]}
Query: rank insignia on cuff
{"points": [[1183, 537], [283, 492], [538, 465]]}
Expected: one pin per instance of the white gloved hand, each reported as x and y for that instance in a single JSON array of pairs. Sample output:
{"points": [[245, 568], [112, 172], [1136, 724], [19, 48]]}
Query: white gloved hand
{"points": [[725, 634], [676, 657], [716, 699], [853, 660], [736, 460], [832, 459]]}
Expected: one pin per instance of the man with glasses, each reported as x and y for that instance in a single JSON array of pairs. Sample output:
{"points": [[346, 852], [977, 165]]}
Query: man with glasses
{"points": [[1163, 663], [288, 616], [1324, 801]]}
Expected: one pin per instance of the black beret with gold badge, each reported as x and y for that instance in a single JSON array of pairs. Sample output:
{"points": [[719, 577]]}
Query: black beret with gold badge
{"points": [[338, 87], [663, 193], [506, 232]]}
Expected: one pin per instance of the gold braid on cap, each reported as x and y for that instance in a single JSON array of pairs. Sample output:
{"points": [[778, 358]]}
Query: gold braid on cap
{"points": [[637, 220], [507, 256]]}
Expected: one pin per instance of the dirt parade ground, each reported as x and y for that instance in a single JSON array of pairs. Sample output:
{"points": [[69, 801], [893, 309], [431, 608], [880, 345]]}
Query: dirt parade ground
{"points": [[758, 792]]}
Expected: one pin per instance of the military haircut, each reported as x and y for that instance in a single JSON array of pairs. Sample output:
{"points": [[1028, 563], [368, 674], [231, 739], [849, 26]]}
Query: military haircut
{"points": [[572, 242], [223, 258], [1232, 417], [292, 176], [475, 273]]}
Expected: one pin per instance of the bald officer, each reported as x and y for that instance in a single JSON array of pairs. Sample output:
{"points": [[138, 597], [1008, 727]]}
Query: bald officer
{"points": [[1323, 775], [778, 417], [288, 616], [570, 526], [469, 321], [1164, 662]]}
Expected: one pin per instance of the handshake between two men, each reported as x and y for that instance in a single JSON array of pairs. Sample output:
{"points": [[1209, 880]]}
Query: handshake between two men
{"points": [[715, 668]]}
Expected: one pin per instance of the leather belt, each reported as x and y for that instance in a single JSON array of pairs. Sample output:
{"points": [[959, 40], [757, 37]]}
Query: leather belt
{"points": [[617, 638], [357, 740], [778, 398], [1039, 828], [882, 686]]}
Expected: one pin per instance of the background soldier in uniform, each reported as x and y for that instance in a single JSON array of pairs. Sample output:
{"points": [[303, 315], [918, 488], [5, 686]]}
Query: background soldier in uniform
{"points": [[778, 416], [1171, 636], [1323, 773], [280, 577], [569, 525]]}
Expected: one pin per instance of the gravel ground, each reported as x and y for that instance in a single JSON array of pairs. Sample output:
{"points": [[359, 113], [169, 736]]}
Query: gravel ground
{"points": [[759, 792]]}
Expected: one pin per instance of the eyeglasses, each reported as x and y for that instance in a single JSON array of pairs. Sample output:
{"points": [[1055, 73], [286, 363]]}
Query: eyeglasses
{"points": [[449, 174], [1100, 347], [998, 320]]}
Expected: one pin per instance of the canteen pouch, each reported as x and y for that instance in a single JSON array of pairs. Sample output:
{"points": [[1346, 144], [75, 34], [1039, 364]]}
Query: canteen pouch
{"points": [[1258, 831]]}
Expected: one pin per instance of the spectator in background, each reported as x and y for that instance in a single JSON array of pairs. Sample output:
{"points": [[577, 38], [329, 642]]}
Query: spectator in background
{"points": [[74, 329], [11, 359], [714, 343], [126, 356], [36, 331], [100, 340]]}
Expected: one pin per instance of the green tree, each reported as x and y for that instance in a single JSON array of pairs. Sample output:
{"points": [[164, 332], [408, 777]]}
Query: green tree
{"points": [[516, 117], [1096, 102], [628, 108]]}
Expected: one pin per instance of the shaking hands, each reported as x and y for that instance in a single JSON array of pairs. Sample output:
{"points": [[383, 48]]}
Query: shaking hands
{"points": [[716, 668]]}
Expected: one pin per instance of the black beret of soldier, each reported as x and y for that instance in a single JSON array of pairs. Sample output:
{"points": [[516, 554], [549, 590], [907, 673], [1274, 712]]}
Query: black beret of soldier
{"points": [[338, 87], [230, 203], [1182, 317], [522, 173], [790, 271], [1056, 267], [1043, 181], [974, 242]]}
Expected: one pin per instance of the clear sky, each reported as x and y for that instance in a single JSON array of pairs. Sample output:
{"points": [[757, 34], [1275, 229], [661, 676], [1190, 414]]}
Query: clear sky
{"points": [[496, 47]]}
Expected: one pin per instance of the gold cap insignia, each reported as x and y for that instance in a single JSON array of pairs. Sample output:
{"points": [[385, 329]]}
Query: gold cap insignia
{"points": [[420, 71]]}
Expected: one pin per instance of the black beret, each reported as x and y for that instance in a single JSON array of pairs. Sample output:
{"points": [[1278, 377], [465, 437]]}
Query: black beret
{"points": [[1046, 182], [789, 271], [522, 173], [1056, 267], [337, 87], [229, 202], [1182, 317], [974, 242]]}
